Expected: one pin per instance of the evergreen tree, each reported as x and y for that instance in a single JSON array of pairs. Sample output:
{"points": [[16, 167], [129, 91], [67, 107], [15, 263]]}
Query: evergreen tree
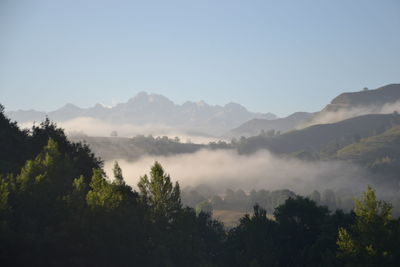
{"points": [[159, 193], [102, 194], [369, 241], [119, 179], [13, 145], [253, 241]]}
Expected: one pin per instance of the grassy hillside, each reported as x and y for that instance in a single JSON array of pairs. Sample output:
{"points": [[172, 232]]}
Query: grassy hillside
{"points": [[324, 137], [380, 153], [385, 144], [257, 126], [378, 97]]}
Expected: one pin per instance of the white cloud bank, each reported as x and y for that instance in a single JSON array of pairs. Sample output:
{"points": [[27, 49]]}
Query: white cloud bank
{"points": [[223, 169], [325, 117], [94, 127]]}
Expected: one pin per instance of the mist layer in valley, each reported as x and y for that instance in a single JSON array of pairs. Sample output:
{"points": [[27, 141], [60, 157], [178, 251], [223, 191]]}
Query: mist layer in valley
{"points": [[220, 166], [222, 169], [88, 126]]}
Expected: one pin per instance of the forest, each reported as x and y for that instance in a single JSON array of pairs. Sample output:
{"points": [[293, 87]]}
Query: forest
{"points": [[59, 208]]}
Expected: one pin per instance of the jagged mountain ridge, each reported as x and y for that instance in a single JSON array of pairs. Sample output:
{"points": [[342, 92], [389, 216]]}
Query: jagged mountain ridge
{"points": [[147, 108]]}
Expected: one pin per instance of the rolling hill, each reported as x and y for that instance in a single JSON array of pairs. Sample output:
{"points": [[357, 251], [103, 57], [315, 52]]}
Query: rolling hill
{"points": [[378, 97], [257, 126], [383, 100], [319, 137], [370, 149]]}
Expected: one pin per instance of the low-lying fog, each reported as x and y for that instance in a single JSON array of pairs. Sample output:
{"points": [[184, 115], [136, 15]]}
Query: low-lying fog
{"points": [[94, 127], [222, 169], [325, 117]]}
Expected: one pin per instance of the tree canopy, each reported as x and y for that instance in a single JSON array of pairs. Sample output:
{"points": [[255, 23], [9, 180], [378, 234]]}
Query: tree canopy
{"points": [[59, 208]]}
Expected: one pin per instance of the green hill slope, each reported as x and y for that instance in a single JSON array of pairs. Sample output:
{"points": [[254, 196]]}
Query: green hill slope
{"points": [[323, 137], [380, 153], [385, 144], [378, 97]]}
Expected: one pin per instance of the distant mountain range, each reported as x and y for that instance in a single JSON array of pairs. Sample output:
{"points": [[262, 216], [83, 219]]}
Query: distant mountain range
{"points": [[361, 127], [231, 120], [153, 109]]}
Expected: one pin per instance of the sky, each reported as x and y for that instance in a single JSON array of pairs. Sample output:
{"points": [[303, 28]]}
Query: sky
{"points": [[270, 56]]}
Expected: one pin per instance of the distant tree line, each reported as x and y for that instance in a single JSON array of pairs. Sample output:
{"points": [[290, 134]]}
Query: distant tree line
{"points": [[268, 200]]}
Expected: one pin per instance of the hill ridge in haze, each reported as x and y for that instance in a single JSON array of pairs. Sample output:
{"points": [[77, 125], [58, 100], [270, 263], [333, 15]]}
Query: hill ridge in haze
{"points": [[383, 100], [321, 136], [256, 126]]}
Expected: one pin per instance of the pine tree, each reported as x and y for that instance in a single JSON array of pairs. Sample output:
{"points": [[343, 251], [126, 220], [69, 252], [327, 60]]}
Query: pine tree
{"points": [[159, 193], [102, 195], [368, 241], [119, 179]]}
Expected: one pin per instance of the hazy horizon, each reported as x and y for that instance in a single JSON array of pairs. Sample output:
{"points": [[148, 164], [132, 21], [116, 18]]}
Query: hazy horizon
{"points": [[269, 56]]}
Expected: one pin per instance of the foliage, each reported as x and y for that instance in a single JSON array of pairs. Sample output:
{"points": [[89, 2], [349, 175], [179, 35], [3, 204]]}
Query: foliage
{"points": [[158, 192], [369, 241], [58, 208], [118, 178]]}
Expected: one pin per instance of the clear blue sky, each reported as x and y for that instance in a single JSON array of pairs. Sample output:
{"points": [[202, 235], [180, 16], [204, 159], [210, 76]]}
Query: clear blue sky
{"points": [[279, 56]]}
